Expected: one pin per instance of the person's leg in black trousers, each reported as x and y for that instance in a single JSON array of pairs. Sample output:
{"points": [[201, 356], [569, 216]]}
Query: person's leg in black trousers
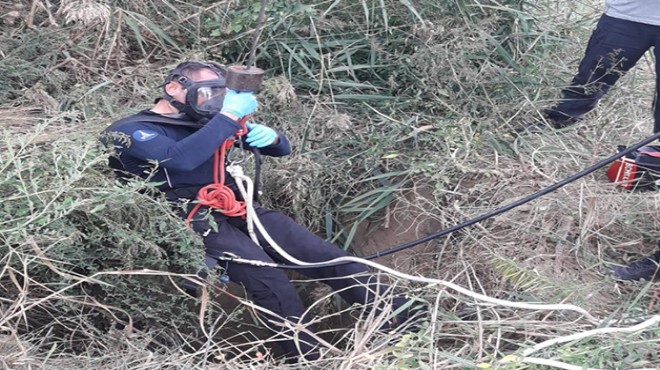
{"points": [[615, 46], [352, 281], [267, 287]]}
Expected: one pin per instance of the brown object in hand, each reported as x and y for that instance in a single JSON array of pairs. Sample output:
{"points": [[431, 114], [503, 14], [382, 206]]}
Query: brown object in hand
{"points": [[241, 78]]}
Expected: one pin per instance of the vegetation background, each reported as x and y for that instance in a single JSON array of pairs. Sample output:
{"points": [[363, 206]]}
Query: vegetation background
{"points": [[401, 114]]}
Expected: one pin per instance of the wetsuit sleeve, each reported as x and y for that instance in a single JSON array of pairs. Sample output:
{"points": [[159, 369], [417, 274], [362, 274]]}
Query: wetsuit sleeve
{"points": [[281, 149], [151, 142]]}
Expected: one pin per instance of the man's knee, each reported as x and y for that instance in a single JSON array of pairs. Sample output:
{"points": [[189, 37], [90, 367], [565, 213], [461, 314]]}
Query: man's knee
{"points": [[269, 288]]}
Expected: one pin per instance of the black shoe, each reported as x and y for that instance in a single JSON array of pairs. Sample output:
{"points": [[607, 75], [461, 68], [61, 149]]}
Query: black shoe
{"points": [[558, 120], [647, 268]]}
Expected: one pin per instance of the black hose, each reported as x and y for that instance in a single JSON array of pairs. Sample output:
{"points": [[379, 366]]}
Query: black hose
{"points": [[494, 212]]}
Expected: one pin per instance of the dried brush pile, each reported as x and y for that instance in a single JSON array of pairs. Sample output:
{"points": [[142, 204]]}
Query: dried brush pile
{"points": [[401, 114]]}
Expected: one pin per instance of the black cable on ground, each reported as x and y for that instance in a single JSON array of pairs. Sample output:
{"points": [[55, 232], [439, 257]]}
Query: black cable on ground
{"points": [[494, 212]]}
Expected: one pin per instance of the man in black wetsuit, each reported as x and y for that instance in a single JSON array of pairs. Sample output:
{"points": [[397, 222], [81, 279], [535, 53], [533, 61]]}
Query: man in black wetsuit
{"points": [[173, 144]]}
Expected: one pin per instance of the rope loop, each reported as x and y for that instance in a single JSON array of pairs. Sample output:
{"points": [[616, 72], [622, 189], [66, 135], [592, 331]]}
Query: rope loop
{"points": [[217, 195], [221, 198]]}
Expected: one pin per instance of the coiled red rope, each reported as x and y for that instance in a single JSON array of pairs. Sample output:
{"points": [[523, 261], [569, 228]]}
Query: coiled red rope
{"points": [[218, 196]]}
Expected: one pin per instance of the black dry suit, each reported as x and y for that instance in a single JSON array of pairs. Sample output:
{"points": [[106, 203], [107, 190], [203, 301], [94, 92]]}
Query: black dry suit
{"points": [[179, 154]]}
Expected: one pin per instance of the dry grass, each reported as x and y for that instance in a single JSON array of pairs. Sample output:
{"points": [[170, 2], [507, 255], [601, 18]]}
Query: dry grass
{"points": [[450, 158]]}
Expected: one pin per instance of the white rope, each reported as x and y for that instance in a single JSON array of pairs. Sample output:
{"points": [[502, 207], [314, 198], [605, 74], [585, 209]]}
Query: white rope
{"points": [[590, 333], [525, 356], [238, 175], [236, 172], [253, 218]]}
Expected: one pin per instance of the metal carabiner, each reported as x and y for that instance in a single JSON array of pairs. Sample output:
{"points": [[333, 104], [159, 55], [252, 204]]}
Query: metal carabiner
{"points": [[241, 157]]}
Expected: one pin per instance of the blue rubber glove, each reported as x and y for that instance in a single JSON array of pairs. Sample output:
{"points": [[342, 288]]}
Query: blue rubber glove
{"points": [[239, 104], [259, 135]]}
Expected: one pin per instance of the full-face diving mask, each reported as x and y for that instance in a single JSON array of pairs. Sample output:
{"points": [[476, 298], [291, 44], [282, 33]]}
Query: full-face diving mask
{"points": [[203, 98]]}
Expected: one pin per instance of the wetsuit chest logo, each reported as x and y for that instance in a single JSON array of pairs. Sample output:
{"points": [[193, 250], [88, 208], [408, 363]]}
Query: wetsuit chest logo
{"points": [[144, 135]]}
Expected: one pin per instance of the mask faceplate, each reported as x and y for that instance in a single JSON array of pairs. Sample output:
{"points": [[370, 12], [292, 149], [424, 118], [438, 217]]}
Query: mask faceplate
{"points": [[203, 98]]}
